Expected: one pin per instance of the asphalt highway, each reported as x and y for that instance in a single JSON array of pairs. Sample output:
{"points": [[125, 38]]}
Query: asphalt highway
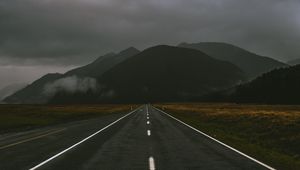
{"points": [[146, 138]]}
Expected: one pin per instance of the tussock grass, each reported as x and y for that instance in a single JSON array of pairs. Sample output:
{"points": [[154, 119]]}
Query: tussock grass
{"points": [[21, 117], [270, 133]]}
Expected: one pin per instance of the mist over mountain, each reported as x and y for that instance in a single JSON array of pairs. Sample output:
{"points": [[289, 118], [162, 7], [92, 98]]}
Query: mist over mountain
{"points": [[103, 63], [10, 89], [294, 62], [33, 93], [280, 86], [38, 91], [71, 84], [166, 74], [160, 73], [252, 64]]}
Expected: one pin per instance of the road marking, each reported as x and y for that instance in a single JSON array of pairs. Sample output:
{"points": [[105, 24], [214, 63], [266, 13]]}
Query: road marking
{"points": [[148, 132], [147, 109], [32, 138], [151, 163], [148, 122], [78, 143], [216, 140]]}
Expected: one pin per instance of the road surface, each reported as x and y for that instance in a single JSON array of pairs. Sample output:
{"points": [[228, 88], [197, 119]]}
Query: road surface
{"points": [[143, 139]]}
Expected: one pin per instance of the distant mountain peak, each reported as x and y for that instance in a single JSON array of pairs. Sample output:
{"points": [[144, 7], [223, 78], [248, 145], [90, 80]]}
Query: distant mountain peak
{"points": [[182, 44], [10, 89], [129, 50], [163, 47], [35, 92], [53, 74], [294, 62], [190, 70], [107, 55], [252, 64]]}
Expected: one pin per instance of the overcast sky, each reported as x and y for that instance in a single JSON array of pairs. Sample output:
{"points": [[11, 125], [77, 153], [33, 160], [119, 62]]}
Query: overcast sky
{"points": [[40, 36]]}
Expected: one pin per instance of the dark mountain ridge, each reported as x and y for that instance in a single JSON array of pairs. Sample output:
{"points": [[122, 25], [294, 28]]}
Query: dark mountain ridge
{"points": [[34, 93], [10, 89], [162, 73], [280, 86], [294, 62], [157, 74], [252, 64], [102, 64]]}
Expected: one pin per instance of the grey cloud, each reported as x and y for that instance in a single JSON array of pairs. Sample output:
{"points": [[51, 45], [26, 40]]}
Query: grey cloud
{"points": [[76, 31], [26, 74], [71, 85]]}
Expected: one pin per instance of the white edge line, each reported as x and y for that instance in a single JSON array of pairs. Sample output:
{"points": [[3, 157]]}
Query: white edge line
{"points": [[78, 143], [229, 147]]}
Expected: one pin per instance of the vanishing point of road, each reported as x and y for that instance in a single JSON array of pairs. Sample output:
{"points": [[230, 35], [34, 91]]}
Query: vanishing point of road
{"points": [[144, 139]]}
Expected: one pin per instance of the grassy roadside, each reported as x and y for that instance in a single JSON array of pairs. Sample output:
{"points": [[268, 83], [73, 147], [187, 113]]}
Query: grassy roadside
{"points": [[20, 117], [269, 133]]}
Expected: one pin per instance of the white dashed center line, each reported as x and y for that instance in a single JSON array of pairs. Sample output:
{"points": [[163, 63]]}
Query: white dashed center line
{"points": [[151, 163], [151, 159]]}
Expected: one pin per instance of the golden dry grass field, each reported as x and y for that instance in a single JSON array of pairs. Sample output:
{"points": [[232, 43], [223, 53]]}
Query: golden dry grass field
{"points": [[16, 117], [270, 133]]}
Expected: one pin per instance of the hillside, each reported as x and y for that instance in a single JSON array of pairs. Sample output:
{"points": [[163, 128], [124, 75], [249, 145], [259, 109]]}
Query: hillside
{"points": [[252, 64], [102, 64], [33, 93], [37, 92], [294, 62], [10, 89], [160, 73], [280, 86]]}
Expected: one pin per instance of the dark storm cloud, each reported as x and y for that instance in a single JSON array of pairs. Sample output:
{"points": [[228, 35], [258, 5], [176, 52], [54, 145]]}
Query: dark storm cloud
{"points": [[76, 31]]}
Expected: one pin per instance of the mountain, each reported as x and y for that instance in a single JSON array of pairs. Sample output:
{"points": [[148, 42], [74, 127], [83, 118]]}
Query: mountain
{"points": [[280, 86], [102, 64], [35, 92], [252, 64], [294, 62], [10, 89], [158, 74]]}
